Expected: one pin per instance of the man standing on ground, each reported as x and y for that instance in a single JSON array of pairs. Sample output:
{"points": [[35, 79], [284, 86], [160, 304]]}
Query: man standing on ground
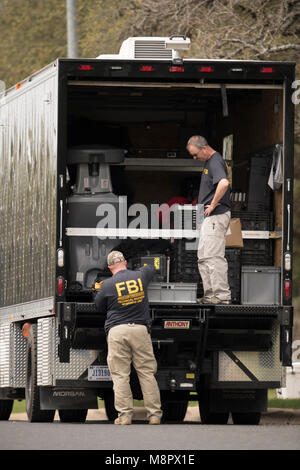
{"points": [[123, 297], [214, 194]]}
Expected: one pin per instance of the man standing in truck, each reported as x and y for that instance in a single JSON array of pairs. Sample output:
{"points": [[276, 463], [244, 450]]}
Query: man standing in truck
{"points": [[214, 194], [123, 297]]}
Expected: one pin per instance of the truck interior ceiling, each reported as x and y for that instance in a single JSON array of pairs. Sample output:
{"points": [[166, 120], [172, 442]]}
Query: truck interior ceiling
{"points": [[153, 124]]}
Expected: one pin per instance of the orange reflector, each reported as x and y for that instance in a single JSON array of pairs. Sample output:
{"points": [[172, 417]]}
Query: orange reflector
{"points": [[18, 85], [26, 329]]}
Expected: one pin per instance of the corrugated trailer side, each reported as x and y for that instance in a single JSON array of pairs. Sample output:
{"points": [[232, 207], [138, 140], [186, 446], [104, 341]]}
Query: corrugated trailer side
{"points": [[28, 182], [28, 169]]}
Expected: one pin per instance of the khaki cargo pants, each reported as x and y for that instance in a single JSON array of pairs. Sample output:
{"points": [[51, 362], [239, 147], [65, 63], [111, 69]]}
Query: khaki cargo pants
{"points": [[131, 343], [212, 264]]}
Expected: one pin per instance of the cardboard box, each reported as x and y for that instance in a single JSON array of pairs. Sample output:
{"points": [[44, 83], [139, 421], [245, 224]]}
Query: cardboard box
{"points": [[235, 239]]}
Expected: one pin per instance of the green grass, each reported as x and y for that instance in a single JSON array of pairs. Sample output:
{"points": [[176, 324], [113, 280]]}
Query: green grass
{"points": [[273, 402], [19, 406]]}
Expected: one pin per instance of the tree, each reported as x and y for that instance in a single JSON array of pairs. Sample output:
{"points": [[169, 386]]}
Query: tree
{"points": [[103, 25], [223, 28], [32, 34]]}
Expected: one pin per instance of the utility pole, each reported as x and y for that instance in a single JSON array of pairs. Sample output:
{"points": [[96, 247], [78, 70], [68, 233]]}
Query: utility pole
{"points": [[72, 29]]}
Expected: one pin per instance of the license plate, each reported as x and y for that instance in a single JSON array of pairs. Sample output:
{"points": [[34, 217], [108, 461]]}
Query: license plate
{"points": [[99, 373]]}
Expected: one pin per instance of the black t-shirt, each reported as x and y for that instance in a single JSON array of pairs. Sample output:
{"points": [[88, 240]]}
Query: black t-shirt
{"points": [[123, 297], [214, 170]]}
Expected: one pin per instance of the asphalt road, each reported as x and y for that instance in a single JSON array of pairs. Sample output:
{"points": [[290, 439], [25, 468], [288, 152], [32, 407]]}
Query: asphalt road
{"points": [[279, 430]]}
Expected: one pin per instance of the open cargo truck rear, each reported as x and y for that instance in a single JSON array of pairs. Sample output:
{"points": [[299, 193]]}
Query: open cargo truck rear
{"points": [[83, 136]]}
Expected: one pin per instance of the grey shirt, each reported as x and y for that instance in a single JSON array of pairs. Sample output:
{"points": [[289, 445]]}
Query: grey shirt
{"points": [[214, 170]]}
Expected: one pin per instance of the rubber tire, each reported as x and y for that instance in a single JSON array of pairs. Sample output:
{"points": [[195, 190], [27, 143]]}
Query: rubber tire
{"points": [[209, 417], [32, 391], [109, 399], [213, 418], [72, 416], [174, 406], [251, 418], [6, 407]]}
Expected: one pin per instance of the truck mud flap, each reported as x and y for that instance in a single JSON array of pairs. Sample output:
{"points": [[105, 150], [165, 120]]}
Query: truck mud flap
{"points": [[255, 400], [67, 398]]}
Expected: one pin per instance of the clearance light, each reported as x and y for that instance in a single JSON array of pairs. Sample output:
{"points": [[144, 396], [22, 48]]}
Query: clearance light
{"points": [[60, 258], [147, 68], [85, 67], [206, 69], [287, 262], [176, 68], [26, 329], [267, 70], [287, 289], [60, 285]]}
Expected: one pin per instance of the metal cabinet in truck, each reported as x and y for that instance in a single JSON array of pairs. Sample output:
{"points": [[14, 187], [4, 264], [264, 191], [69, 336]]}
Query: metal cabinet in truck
{"points": [[93, 158]]}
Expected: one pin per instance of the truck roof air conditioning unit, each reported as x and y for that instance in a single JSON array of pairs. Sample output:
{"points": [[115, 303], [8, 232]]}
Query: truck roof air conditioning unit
{"points": [[166, 48]]}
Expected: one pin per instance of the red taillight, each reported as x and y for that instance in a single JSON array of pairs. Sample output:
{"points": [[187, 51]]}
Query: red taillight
{"points": [[287, 289], [267, 70], [146, 68], [176, 68], [85, 67], [60, 285], [206, 69]]}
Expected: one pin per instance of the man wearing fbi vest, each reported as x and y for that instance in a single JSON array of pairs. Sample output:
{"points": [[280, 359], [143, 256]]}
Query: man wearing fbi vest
{"points": [[123, 298]]}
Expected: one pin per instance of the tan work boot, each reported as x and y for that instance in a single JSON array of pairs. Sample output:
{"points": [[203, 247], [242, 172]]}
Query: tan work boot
{"points": [[202, 300], [125, 420], [154, 420], [213, 301]]}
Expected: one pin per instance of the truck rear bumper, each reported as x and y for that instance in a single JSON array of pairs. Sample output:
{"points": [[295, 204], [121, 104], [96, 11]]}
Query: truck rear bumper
{"points": [[239, 346]]}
